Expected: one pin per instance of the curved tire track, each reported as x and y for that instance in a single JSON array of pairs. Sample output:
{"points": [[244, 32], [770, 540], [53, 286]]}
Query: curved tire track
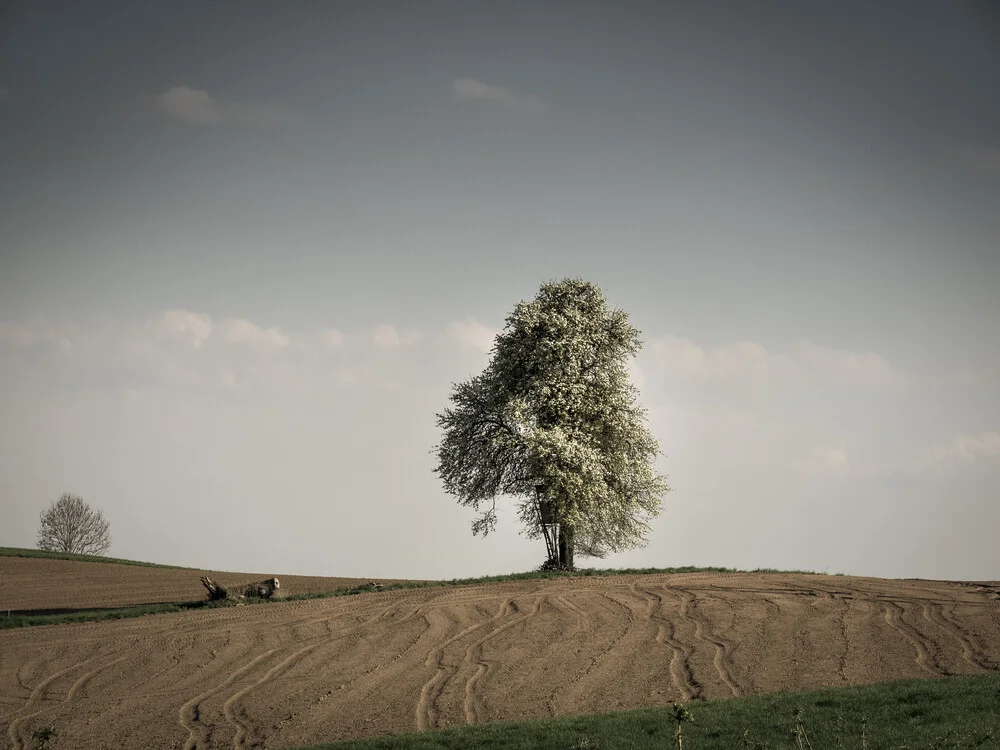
{"points": [[474, 655], [242, 726], [974, 655], [426, 711], [40, 692], [703, 633], [713, 628], [189, 714], [842, 626], [681, 674], [894, 619], [238, 719], [582, 675]]}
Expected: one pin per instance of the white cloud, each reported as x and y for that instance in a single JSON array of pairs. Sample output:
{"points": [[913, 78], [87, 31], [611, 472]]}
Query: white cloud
{"points": [[333, 337], [62, 338], [684, 358], [680, 356], [826, 461], [473, 333], [187, 350], [470, 88], [241, 331], [193, 328], [743, 359], [750, 361], [190, 105], [842, 366], [17, 334], [963, 450], [386, 336], [198, 107]]}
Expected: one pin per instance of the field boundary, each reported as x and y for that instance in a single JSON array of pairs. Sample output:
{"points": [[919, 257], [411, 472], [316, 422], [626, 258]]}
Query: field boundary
{"points": [[954, 711], [28, 618], [45, 555]]}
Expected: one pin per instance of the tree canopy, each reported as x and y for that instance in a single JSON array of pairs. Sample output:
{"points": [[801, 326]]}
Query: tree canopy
{"points": [[70, 525], [553, 422]]}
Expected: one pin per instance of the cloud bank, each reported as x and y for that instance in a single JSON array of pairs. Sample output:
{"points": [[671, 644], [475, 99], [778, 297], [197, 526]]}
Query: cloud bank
{"points": [[803, 362], [222, 416], [198, 107], [473, 333], [963, 450], [470, 88]]}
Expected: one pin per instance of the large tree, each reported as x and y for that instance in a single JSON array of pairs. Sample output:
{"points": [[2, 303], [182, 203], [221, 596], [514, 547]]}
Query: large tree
{"points": [[553, 422], [70, 525]]}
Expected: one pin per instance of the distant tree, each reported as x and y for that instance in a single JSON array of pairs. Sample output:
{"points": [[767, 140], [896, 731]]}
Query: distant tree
{"points": [[70, 525], [553, 422]]}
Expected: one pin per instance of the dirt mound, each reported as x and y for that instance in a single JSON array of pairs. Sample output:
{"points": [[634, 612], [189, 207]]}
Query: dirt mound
{"points": [[31, 583], [320, 670]]}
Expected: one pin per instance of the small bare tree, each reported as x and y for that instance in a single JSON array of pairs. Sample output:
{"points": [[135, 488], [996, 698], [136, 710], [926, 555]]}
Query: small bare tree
{"points": [[70, 525]]}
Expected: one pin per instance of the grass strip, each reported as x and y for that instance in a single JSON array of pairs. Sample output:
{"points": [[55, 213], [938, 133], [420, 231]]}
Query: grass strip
{"points": [[117, 613], [948, 712], [24, 552]]}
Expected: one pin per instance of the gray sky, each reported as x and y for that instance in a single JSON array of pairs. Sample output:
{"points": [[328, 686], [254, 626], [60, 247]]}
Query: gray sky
{"points": [[247, 247]]}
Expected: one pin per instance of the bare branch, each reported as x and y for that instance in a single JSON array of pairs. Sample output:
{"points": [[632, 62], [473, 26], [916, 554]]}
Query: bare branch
{"points": [[70, 525]]}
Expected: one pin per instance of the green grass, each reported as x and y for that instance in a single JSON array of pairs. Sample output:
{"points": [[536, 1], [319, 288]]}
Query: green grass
{"points": [[90, 615], [24, 552], [950, 712], [115, 613]]}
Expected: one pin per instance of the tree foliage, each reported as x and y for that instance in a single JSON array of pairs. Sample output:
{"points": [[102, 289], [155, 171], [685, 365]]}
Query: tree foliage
{"points": [[70, 525], [554, 420]]}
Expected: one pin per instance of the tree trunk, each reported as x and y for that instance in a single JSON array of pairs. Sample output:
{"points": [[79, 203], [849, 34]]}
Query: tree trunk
{"points": [[566, 546]]}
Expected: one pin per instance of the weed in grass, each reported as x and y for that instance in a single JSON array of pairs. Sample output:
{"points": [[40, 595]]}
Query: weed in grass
{"points": [[681, 715], [752, 744], [838, 730], [952, 739], [799, 734]]}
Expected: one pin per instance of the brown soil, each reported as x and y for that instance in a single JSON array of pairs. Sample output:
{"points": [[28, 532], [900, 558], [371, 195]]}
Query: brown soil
{"points": [[277, 675], [31, 583]]}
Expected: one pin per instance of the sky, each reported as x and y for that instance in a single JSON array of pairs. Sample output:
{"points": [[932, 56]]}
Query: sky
{"points": [[247, 248]]}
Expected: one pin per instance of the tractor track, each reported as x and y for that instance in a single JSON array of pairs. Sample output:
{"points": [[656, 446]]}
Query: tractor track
{"points": [[307, 672]]}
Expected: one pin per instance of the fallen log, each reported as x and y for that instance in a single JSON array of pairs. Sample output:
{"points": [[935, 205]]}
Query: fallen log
{"points": [[256, 590]]}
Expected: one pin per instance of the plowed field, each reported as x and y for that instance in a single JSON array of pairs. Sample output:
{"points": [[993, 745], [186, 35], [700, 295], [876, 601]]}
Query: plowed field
{"points": [[30, 584], [287, 674]]}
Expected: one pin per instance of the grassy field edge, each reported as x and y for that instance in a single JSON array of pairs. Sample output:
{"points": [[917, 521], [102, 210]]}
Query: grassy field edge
{"points": [[26, 552], [952, 712]]}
